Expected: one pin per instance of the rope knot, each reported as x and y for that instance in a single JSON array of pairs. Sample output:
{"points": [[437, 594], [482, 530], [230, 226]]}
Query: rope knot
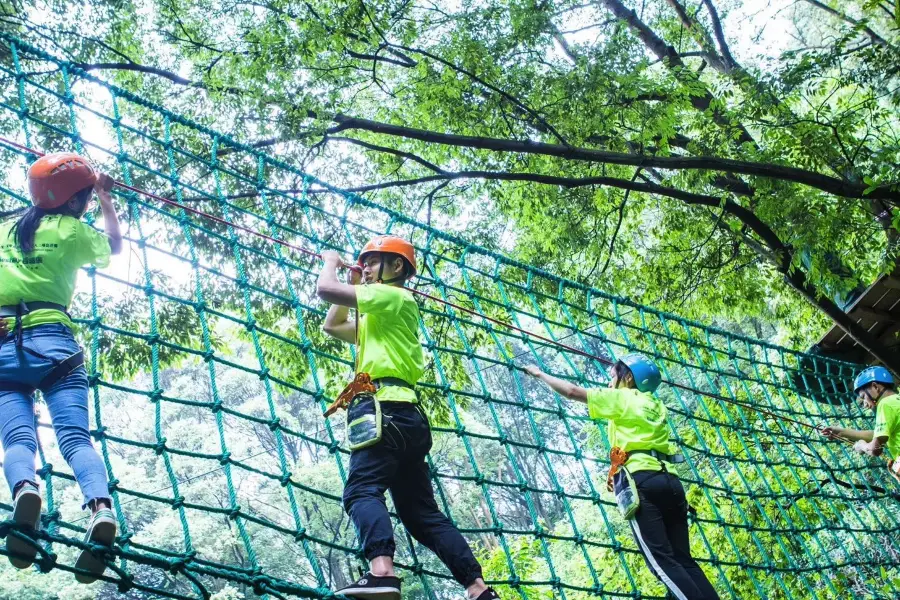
{"points": [[300, 534], [112, 485], [160, 446], [46, 470], [47, 562], [99, 433], [156, 395], [177, 502], [216, 406], [275, 424], [125, 583], [225, 458], [264, 373], [234, 512]]}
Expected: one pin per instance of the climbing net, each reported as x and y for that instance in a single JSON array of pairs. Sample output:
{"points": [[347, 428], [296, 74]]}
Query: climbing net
{"points": [[209, 374]]}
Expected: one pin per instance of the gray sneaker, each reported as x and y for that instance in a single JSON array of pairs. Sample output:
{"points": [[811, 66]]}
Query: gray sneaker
{"points": [[101, 531], [27, 514]]}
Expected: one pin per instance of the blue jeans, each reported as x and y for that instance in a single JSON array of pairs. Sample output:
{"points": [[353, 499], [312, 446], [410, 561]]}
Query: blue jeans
{"points": [[21, 371], [397, 463]]}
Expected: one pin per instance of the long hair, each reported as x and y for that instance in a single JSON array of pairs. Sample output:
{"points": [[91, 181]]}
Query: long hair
{"points": [[622, 371], [28, 223]]}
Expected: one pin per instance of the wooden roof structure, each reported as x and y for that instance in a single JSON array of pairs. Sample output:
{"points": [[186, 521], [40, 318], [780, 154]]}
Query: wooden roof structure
{"points": [[878, 310]]}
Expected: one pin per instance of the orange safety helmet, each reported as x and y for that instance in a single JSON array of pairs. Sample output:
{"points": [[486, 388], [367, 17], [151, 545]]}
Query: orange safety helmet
{"points": [[54, 178], [393, 245]]}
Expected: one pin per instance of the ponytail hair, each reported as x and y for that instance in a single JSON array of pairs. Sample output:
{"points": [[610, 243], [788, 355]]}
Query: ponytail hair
{"points": [[28, 223]]}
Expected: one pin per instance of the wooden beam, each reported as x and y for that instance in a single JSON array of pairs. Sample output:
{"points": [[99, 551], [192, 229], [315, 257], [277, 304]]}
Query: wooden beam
{"points": [[873, 313]]}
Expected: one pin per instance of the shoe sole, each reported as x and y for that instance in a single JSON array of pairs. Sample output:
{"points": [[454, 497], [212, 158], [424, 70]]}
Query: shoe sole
{"points": [[27, 512], [374, 593], [103, 533]]}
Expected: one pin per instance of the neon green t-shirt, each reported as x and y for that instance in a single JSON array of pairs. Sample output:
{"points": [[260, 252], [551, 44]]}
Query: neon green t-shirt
{"points": [[389, 338], [887, 423], [62, 245], [637, 421]]}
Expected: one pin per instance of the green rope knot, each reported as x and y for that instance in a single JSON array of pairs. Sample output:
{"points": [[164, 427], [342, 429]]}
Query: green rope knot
{"points": [[264, 373], [155, 395], [51, 517], [333, 447], [274, 424], [503, 439], [126, 583], [225, 458], [596, 499], [46, 562], [300, 534], [153, 339], [160, 446], [99, 433], [148, 289], [208, 355], [177, 502], [234, 512], [44, 471], [216, 406]]}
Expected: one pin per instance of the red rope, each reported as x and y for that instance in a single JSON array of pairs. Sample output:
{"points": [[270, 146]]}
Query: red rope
{"points": [[510, 326]]}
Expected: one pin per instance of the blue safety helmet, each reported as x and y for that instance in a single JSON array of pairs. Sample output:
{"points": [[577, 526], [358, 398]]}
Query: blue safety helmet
{"points": [[870, 375], [646, 374]]}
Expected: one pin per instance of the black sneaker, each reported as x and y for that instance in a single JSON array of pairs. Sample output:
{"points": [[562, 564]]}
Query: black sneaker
{"points": [[375, 588], [488, 594]]}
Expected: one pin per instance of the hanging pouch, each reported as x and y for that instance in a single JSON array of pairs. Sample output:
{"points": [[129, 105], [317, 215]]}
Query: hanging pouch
{"points": [[363, 422], [894, 469], [626, 492]]}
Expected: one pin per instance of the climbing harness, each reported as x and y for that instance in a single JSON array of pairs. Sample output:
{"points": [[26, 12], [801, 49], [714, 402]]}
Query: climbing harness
{"points": [[61, 368]]}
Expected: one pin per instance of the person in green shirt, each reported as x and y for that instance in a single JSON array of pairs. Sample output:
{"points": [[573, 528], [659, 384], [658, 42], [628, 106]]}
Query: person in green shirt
{"points": [[389, 434], [642, 455], [40, 255], [875, 390]]}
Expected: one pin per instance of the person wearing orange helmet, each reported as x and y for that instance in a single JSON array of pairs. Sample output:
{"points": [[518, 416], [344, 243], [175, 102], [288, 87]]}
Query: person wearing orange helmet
{"points": [[389, 435], [40, 255]]}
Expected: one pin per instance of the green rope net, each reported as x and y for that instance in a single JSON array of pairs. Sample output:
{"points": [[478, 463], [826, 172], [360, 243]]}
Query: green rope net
{"points": [[208, 329]]}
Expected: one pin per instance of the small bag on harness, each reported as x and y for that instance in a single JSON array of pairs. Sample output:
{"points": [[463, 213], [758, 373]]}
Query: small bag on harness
{"points": [[363, 422], [621, 483], [894, 469]]}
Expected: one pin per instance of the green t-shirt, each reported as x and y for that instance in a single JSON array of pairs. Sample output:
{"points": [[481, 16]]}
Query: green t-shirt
{"points": [[389, 338], [887, 423], [62, 245], [637, 421]]}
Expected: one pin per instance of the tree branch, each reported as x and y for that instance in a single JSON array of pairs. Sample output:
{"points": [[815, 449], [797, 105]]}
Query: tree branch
{"points": [[821, 182], [848, 19]]}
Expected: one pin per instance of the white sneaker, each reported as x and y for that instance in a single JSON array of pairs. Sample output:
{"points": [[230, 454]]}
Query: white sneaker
{"points": [[27, 514], [101, 531]]}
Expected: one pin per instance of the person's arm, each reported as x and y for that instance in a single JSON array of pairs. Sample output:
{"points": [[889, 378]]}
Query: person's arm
{"points": [[337, 323], [329, 288], [873, 448], [854, 435], [110, 218], [560, 386]]}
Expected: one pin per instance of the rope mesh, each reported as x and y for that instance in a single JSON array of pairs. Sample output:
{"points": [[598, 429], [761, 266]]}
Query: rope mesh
{"points": [[210, 340]]}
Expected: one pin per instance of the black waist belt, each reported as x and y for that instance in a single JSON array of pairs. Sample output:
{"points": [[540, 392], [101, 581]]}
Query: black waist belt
{"points": [[672, 458], [391, 381], [23, 308], [61, 369]]}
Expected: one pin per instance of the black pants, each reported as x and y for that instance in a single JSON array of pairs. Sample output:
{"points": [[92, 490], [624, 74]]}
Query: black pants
{"points": [[660, 528], [397, 463]]}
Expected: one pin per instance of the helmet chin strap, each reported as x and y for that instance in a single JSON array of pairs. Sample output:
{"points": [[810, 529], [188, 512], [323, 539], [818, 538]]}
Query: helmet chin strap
{"points": [[381, 272]]}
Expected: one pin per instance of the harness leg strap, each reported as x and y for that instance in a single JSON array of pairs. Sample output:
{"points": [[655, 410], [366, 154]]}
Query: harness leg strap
{"points": [[61, 371]]}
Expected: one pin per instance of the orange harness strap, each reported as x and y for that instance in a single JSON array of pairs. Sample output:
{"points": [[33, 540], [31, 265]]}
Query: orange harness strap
{"points": [[361, 384], [617, 459]]}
